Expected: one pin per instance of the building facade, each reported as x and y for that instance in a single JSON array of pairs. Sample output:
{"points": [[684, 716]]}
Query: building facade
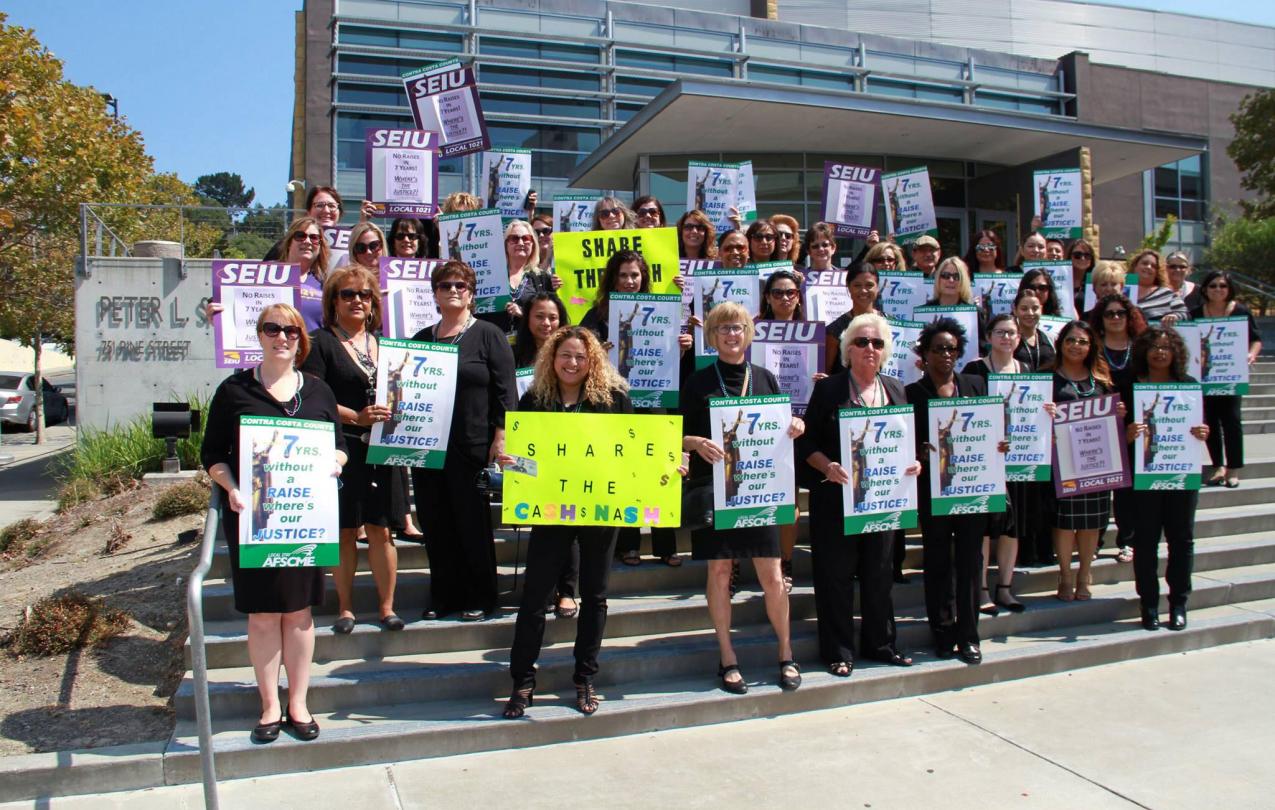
{"points": [[618, 96]]}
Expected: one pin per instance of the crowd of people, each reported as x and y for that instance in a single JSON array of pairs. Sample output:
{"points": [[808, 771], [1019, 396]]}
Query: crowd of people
{"points": [[320, 362]]}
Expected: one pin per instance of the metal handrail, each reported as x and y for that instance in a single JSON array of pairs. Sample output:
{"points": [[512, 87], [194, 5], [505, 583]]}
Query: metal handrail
{"points": [[198, 653], [1250, 283]]}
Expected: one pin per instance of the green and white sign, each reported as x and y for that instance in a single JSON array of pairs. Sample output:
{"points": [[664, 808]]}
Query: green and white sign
{"points": [[994, 292], [964, 314], [1167, 456], [1058, 202], [909, 209], [901, 364], [1223, 355], [644, 329], [573, 212], [285, 469], [1193, 336], [417, 382], [1028, 425], [967, 469], [523, 378], [1051, 325], [1061, 275], [715, 188], [877, 446], [755, 484], [477, 238], [508, 174], [901, 293], [717, 285]]}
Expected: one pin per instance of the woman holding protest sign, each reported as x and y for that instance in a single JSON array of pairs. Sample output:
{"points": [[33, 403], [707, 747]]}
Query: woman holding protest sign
{"points": [[1040, 284], [573, 375], [729, 330], [323, 204], [952, 284], [761, 242], [344, 355], [836, 557], [1080, 372], [1222, 412], [278, 601], [1083, 262], [696, 237], [1156, 298], [1035, 349], [732, 249], [648, 212], [952, 543], [458, 533], [411, 238], [1033, 249], [542, 224], [1108, 279], [306, 248], [1159, 356]]}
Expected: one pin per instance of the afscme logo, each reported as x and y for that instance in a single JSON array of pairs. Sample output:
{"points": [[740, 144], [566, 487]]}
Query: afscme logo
{"points": [[1176, 482], [885, 523], [300, 557], [763, 518], [974, 507]]}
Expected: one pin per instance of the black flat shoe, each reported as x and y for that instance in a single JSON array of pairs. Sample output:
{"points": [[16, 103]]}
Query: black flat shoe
{"points": [[789, 683], [473, 616], [1150, 621], [944, 645], [894, 658], [1177, 617], [567, 612], [392, 622], [305, 731], [970, 653], [343, 626], [267, 732], [734, 687]]}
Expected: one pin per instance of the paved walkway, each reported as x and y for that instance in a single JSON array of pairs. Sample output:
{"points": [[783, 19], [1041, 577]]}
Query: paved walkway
{"points": [[27, 488], [1183, 731]]}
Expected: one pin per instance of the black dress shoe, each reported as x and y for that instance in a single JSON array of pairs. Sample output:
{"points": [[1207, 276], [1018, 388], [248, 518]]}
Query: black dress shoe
{"points": [[1151, 621], [267, 732], [343, 626], [473, 615], [944, 643], [970, 653], [305, 731], [1177, 617], [392, 622], [893, 657]]}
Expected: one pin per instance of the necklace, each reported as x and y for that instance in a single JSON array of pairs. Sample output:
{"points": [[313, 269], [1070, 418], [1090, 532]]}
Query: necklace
{"points": [[1111, 361], [1033, 353], [860, 397], [292, 406], [364, 357], [1093, 386], [745, 390], [456, 337]]}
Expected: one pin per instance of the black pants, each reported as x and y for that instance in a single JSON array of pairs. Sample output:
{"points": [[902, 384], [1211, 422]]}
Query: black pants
{"points": [[546, 553], [1124, 510], [1222, 415], [899, 544], [456, 520], [663, 542], [569, 576], [953, 549], [1171, 513], [835, 557]]}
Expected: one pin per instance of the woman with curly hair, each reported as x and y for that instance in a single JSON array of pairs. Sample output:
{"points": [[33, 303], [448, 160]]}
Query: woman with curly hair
{"points": [[573, 375], [1159, 356], [1156, 298], [787, 237], [696, 236]]}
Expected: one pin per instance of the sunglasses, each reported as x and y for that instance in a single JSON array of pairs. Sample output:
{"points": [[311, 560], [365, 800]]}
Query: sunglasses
{"points": [[1182, 267], [944, 350], [544, 231], [822, 246], [368, 247], [1218, 286], [1081, 255], [985, 248], [1038, 287], [270, 329], [1160, 347], [448, 286], [1076, 341], [307, 237], [783, 235], [407, 235], [863, 343], [949, 276], [608, 212], [525, 237], [763, 237], [783, 294], [648, 212], [694, 226], [350, 295], [1115, 314]]}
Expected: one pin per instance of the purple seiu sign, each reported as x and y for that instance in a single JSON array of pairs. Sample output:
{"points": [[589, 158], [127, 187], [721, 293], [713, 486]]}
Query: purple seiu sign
{"points": [[794, 351], [444, 99], [402, 171], [849, 198], [1090, 453], [244, 289]]}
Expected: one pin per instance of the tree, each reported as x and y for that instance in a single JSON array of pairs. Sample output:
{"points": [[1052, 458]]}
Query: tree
{"points": [[1157, 239], [1253, 151], [58, 148], [226, 188], [1245, 246]]}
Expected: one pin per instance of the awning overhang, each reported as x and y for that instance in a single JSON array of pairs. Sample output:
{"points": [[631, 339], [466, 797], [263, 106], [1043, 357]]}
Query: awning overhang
{"points": [[695, 116]]}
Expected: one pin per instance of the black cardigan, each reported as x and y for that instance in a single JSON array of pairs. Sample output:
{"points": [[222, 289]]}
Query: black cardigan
{"points": [[823, 430]]}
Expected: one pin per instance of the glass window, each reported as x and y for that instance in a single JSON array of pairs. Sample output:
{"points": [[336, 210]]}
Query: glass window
{"points": [[1179, 190], [498, 46], [673, 64], [389, 38], [351, 134], [639, 87], [555, 164], [624, 112], [807, 78], [498, 74], [902, 89], [371, 94], [545, 105]]}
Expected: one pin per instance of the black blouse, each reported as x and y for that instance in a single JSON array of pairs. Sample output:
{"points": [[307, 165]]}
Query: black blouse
{"points": [[1241, 311], [620, 403], [1039, 358], [241, 395], [329, 361], [485, 386], [823, 429], [703, 384]]}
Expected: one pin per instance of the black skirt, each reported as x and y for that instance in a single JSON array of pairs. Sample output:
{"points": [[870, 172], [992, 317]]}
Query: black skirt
{"points": [[269, 590], [367, 490], [735, 544]]}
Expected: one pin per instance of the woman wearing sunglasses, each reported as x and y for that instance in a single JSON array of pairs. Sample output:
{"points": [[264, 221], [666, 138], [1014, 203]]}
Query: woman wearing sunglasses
{"points": [[412, 238], [611, 214], [762, 244], [278, 601], [648, 212], [1156, 298], [787, 237], [1083, 259], [986, 254], [306, 248], [344, 355], [1040, 284], [952, 543], [837, 558], [367, 245], [696, 237], [1222, 413], [526, 279]]}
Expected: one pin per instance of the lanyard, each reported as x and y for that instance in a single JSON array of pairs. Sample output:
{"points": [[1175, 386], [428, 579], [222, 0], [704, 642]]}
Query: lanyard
{"points": [[746, 390]]}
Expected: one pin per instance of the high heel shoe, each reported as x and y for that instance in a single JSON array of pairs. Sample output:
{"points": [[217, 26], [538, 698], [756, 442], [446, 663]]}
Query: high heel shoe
{"points": [[521, 698], [988, 607], [586, 698]]}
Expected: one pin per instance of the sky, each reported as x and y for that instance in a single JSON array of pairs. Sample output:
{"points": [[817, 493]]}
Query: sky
{"points": [[209, 83]]}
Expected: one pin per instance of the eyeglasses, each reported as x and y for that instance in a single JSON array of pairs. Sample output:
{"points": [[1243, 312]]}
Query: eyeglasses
{"points": [[350, 295], [1076, 341], [785, 294], [524, 237], [1080, 254], [448, 286], [1004, 333], [763, 237], [544, 231], [822, 246], [694, 226], [985, 248], [406, 235], [1218, 285], [1160, 347], [944, 350], [863, 343], [608, 212], [1038, 287], [1182, 267], [950, 276], [730, 329], [327, 206], [270, 329], [299, 236], [647, 212], [1115, 314], [368, 247]]}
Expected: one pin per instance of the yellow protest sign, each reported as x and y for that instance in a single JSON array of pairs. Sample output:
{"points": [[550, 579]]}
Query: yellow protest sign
{"points": [[592, 469], [580, 258]]}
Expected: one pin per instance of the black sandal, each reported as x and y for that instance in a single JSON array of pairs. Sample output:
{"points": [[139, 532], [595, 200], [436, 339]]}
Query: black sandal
{"points": [[522, 697], [789, 682], [841, 669], [566, 613], [734, 687], [586, 698]]}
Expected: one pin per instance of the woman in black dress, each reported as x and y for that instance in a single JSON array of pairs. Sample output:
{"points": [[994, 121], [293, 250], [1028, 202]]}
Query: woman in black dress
{"points": [[455, 514], [573, 375], [729, 330], [1159, 356], [344, 356], [836, 557], [278, 601], [953, 543]]}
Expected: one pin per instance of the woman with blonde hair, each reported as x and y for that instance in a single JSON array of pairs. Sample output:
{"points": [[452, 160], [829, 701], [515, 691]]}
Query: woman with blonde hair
{"points": [[367, 246], [611, 214], [787, 237], [572, 376], [886, 256], [951, 284]]}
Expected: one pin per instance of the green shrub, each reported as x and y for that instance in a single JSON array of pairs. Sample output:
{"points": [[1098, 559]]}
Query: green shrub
{"points": [[15, 537], [77, 491], [59, 624], [187, 498]]}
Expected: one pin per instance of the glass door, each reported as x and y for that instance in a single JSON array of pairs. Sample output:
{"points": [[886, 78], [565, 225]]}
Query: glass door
{"points": [[954, 232], [1003, 225]]}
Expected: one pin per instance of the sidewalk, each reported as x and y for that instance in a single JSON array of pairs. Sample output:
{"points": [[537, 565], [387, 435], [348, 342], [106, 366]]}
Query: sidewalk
{"points": [[27, 488], [1181, 731]]}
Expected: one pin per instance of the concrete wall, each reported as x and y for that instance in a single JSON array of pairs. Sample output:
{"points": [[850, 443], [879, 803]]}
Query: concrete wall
{"points": [[141, 337]]}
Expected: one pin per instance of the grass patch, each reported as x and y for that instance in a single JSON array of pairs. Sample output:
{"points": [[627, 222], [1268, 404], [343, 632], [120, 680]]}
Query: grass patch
{"points": [[77, 491], [59, 624], [17, 537], [187, 498]]}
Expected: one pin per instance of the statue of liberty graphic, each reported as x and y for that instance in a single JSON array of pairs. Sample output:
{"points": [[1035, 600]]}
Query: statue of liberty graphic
{"points": [[701, 194], [1152, 446], [730, 461], [453, 245], [624, 343], [493, 184], [1045, 205], [261, 483], [393, 398], [859, 465]]}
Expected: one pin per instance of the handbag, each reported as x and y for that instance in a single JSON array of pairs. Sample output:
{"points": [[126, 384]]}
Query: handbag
{"points": [[697, 503]]}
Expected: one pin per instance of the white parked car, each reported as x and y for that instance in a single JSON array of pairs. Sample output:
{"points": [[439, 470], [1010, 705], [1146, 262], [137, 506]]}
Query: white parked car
{"points": [[17, 401]]}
